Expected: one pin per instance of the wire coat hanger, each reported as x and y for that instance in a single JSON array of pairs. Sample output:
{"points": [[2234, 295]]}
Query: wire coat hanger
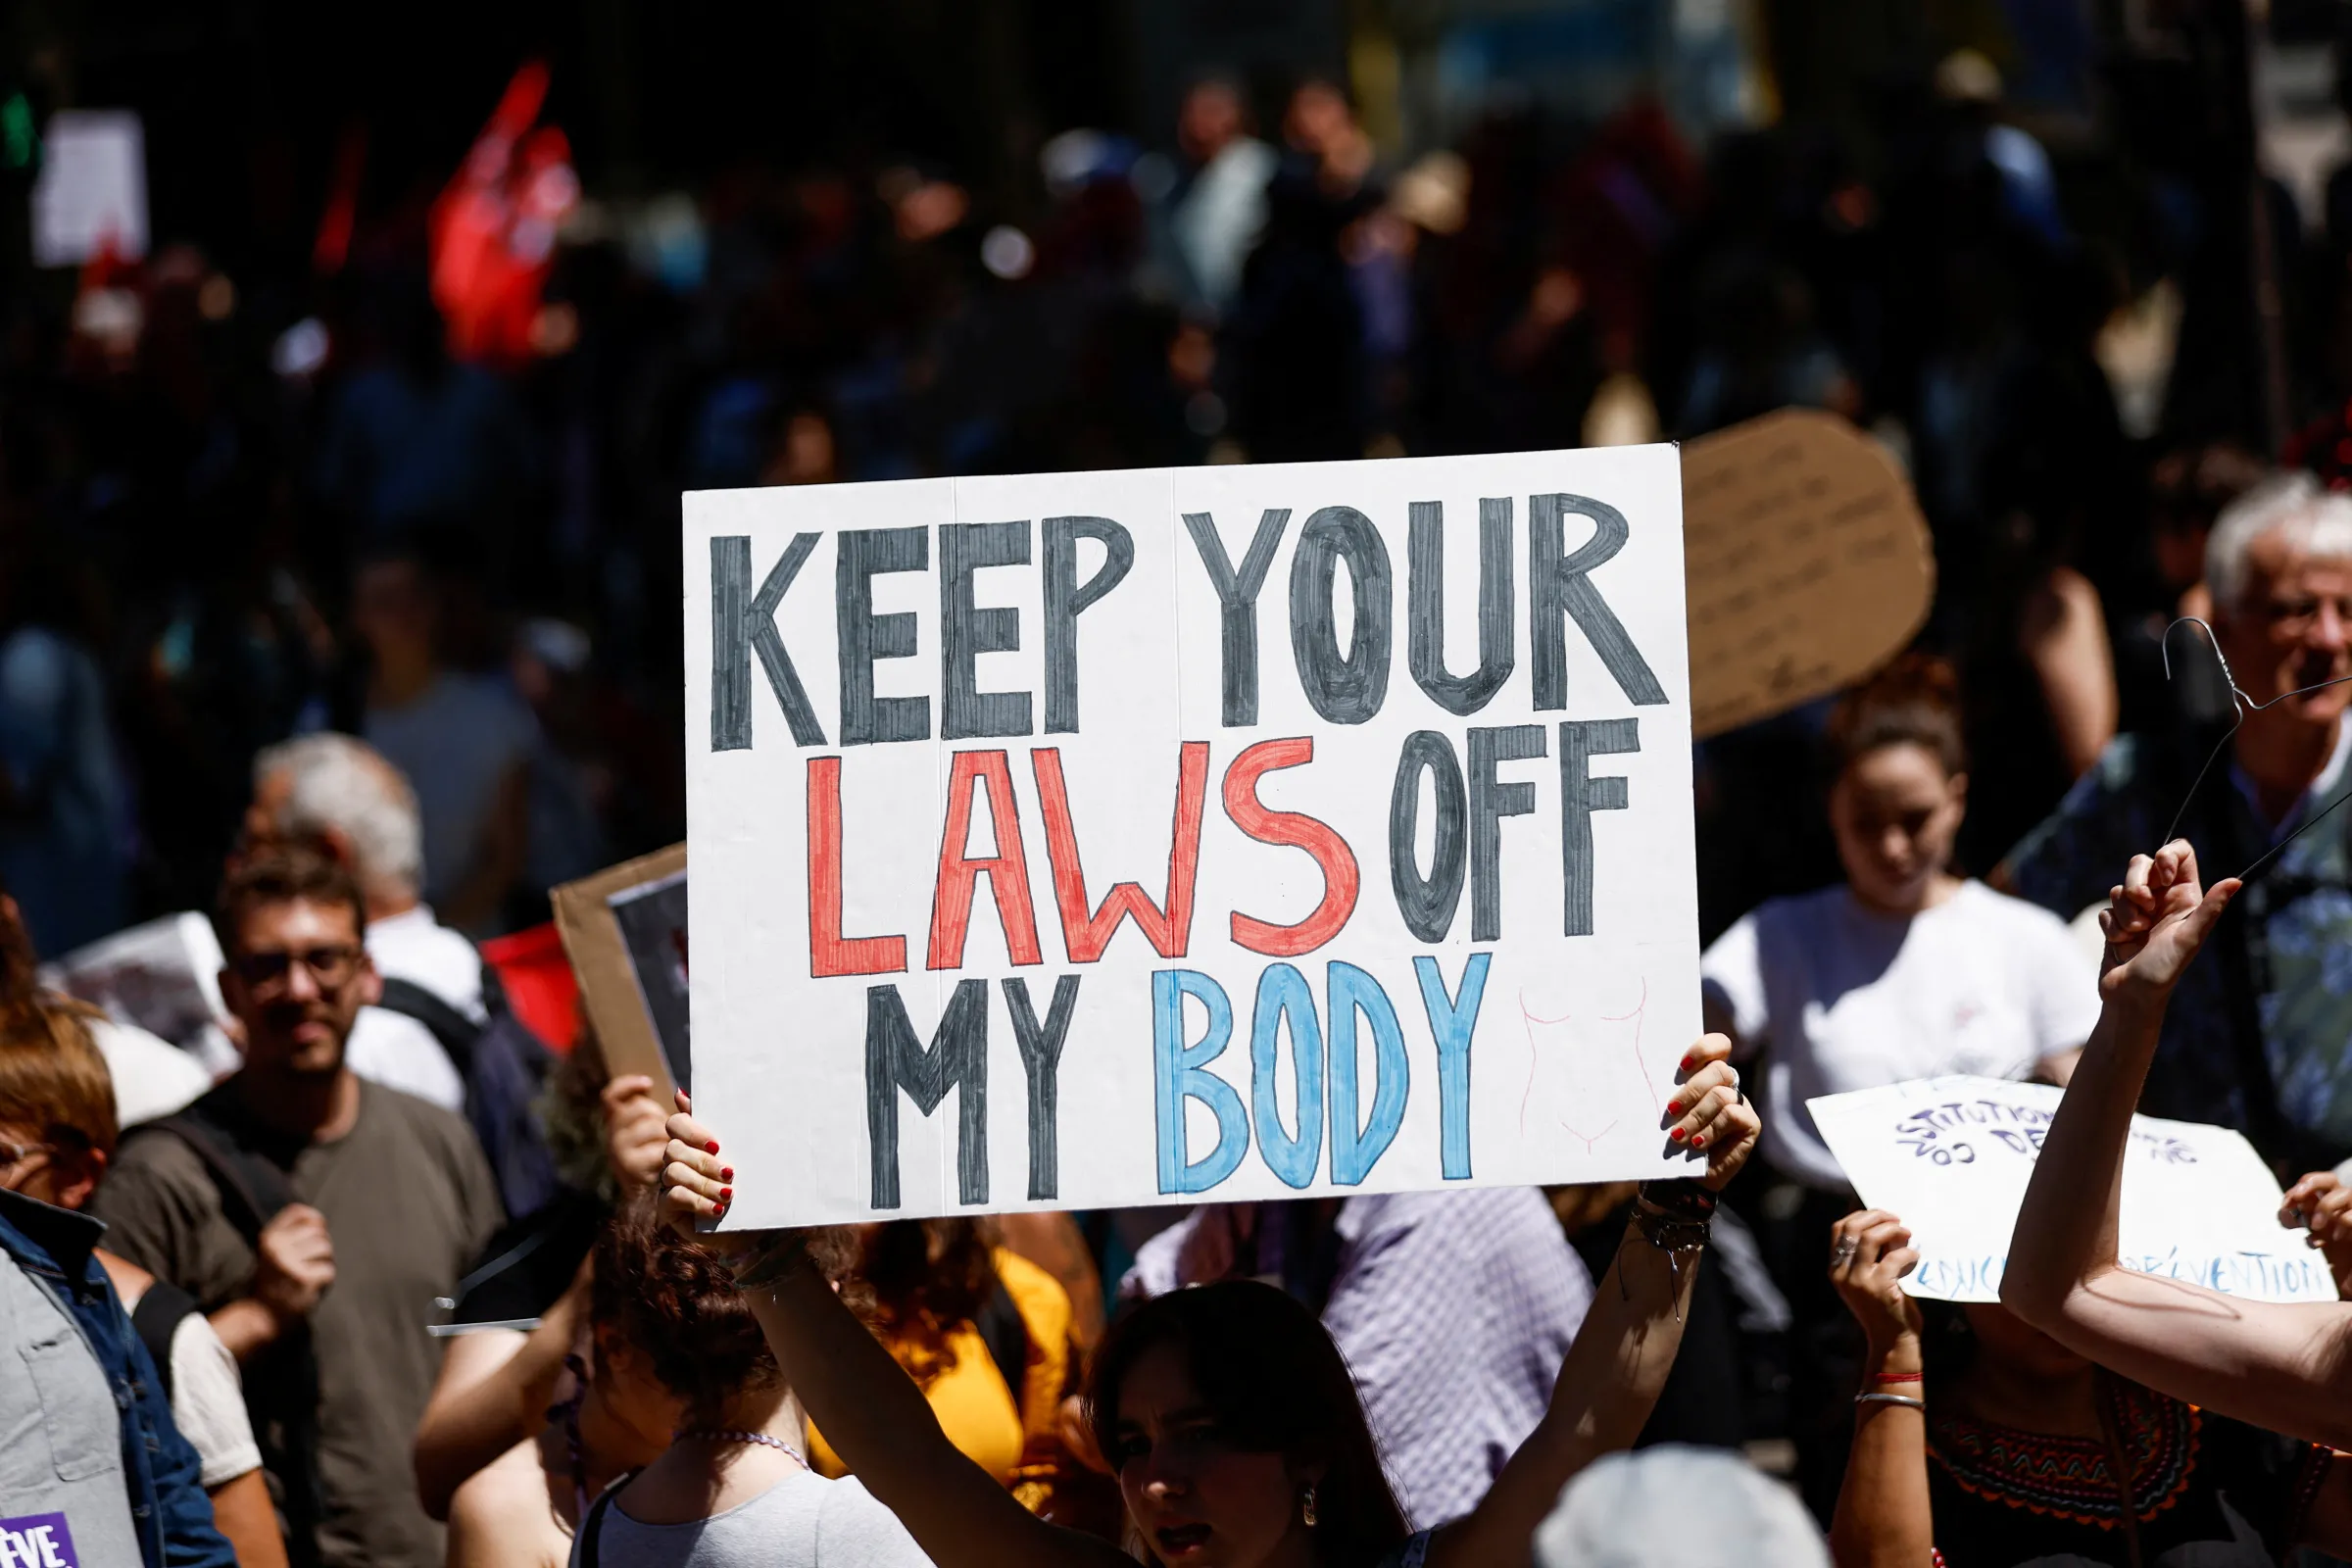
{"points": [[2241, 705]]}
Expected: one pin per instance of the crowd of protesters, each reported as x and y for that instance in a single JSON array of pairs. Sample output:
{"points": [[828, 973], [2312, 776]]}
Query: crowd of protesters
{"points": [[355, 635]]}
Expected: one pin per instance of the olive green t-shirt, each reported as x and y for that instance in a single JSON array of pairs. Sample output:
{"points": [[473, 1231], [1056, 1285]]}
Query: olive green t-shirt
{"points": [[409, 1202]]}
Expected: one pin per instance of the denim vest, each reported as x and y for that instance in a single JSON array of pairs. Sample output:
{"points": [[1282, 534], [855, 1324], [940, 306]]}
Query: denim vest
{"points": [[92, 1470]]}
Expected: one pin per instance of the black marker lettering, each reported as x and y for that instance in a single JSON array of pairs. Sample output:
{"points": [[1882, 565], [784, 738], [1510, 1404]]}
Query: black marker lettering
{"points": [[1428, 903], [966, 630], [1065, 598], [1349, 690], [1560, 585], [862, 554], [1581, 795], [1425, 604], [743, 623], [957, 1058], [1490, 801], [1237, 592]]}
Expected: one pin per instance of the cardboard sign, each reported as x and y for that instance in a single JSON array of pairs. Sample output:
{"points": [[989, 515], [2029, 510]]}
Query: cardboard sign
{"points": [[625, 930], [91, 193], [1808, 561], [1099, 839], [1951, 1158]]}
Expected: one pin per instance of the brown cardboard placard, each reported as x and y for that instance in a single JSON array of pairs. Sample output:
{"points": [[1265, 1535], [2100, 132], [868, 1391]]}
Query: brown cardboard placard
{"points": [[612, 989], [1807, 565]]}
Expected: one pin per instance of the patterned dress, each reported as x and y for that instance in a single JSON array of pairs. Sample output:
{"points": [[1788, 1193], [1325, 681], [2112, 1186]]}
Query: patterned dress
{"points": [[2205, 1490]]}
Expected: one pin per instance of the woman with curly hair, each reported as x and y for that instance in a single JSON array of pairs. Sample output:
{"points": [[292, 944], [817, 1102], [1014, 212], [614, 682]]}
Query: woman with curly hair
{"points": [[678, 1349]]}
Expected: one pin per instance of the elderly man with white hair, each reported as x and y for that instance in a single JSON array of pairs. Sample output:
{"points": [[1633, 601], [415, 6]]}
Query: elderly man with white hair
{"points": [[343, 793], [2259, 1031]]}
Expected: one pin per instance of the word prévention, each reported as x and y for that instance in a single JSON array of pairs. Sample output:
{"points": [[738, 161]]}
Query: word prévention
{"points": [[1346, 683]]}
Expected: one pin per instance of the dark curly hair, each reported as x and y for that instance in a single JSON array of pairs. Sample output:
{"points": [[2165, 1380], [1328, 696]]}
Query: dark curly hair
{"points": [[1274, 1382], [676, 1302], [1914, 701]]}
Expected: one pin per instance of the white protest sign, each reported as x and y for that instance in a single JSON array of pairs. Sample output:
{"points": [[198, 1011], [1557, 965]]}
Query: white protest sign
{"points": [[1952, 1157], [1099, 839], [91, 192]]}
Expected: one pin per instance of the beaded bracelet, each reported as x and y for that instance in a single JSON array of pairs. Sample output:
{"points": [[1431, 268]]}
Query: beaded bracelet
{"points": [[1674, 1216]]}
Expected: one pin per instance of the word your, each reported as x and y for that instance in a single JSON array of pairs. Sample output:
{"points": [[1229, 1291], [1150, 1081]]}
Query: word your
{"points": [[1931, 1134], [37, 1541], [1346, 685]]}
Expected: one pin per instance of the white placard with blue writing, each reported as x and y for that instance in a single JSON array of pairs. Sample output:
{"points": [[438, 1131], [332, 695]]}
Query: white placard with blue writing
{"points": [[1101, 839], [1952, 1157]]}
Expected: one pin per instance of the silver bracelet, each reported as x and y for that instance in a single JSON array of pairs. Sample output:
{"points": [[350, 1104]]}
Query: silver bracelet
{"points": [[1903, 1399]]}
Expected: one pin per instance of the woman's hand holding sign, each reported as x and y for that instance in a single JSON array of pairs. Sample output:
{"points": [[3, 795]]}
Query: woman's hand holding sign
{"points": [[1709, 1114]]}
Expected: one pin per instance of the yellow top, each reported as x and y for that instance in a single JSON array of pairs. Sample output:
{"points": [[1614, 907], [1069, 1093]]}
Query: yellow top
{"points": [[1019, 1444]]}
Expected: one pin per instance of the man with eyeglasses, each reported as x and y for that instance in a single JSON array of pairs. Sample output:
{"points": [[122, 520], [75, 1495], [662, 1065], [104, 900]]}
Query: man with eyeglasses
{"points": [[315, 1216], [2259, 1031]]}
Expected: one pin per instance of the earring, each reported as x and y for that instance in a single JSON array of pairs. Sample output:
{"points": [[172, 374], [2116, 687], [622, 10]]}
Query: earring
{"points": [[1307, 1513]]}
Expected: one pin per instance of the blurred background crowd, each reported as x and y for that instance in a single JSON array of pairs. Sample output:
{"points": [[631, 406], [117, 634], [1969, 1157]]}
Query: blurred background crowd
{"points": [[380, 422]]}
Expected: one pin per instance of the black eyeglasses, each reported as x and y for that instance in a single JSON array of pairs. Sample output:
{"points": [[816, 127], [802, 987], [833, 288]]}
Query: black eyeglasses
{"points": [[266, 973]]}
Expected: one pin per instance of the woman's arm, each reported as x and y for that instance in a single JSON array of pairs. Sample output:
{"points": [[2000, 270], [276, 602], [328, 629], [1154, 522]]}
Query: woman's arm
{"points": [[1882, 1518], [247, 1519], [869, 1411], [1622, 1355], [2285, 1367], [493, 1392], [495, 1384]]}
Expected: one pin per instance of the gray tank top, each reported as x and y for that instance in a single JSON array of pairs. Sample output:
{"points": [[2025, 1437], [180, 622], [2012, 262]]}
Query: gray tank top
{"points": [[802, 1521]]}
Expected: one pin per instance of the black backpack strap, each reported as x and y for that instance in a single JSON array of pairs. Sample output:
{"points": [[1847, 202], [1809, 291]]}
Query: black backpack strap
{"points": [[281, 1384], [156, 1319], [593, 1527], [455, 1032], [252, 1188], [1006, 1336]]}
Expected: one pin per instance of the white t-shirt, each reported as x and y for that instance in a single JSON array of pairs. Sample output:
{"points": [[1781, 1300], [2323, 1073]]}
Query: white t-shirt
{"points": [[208, 1402], [803, 1521], [394, 1050], [414, 947], [1838, 997]]}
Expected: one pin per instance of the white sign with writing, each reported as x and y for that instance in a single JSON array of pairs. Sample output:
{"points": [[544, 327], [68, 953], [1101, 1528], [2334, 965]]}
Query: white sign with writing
{"points": [[1952, 1157], [1098, 838]]}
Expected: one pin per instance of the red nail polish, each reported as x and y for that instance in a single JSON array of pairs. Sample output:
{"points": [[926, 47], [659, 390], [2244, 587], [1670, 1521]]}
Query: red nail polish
{"points": [[1674, 1107], [726, 1194], [1699, 1141], [711, 1148], [1676, 1134], [726, 1173]]}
